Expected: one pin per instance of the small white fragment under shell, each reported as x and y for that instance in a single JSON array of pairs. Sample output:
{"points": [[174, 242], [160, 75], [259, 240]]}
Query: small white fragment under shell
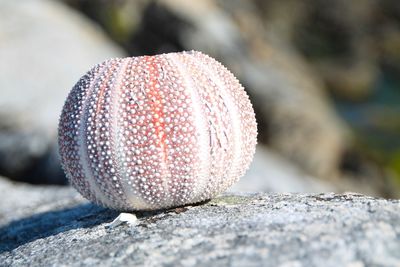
{"points": [[127, 218]]}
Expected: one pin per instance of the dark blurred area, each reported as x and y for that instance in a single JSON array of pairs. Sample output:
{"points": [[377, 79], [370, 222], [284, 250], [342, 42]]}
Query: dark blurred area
{"points": [[323, 76]]}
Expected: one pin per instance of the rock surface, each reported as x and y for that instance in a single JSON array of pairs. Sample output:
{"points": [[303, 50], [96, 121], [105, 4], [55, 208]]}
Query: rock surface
{"points": [[234, 230], [45, 48], [18, 198]]}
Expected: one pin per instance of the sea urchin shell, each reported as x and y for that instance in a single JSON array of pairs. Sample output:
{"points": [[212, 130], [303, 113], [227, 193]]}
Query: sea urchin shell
{"points": [[154, 132]]}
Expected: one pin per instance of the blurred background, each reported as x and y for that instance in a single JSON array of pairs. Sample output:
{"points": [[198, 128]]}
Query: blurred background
{"points": [[323, 76]]}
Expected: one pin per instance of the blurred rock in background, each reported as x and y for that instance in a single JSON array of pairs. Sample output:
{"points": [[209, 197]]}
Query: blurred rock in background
{"points": [[270, 172], [354, 48], [44, 48], [265, 43], [293, 111], [323, 78]]}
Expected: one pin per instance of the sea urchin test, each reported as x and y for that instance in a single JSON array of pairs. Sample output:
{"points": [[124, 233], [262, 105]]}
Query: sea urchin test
{"points": [[153, 132]]}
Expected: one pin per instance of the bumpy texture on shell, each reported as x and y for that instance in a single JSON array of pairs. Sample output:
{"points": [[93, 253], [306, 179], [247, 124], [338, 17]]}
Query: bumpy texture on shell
{"points": [[154, 132]]}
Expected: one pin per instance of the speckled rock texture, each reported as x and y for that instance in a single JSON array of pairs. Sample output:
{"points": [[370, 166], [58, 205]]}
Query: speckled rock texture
{"points": [[232, 230]]}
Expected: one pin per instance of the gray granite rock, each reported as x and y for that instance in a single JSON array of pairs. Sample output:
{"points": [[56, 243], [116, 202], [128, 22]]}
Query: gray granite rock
{"points": [[232, 230], [45, 48], [20, 199]]}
